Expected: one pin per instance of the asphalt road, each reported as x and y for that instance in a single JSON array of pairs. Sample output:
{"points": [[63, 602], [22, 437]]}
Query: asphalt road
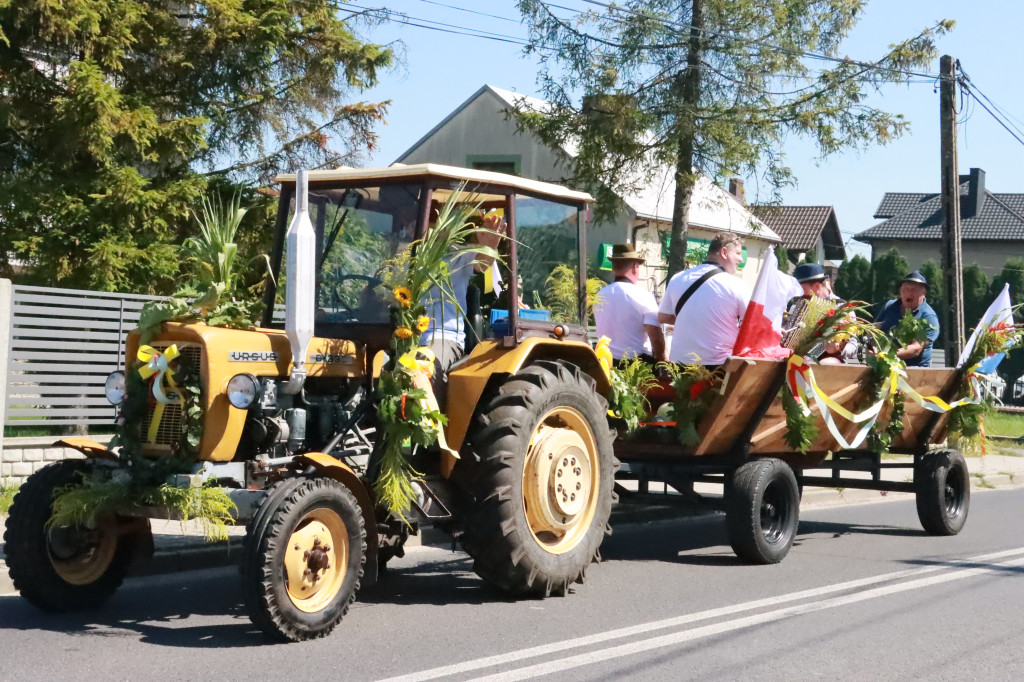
{"points": [[864, 595]]}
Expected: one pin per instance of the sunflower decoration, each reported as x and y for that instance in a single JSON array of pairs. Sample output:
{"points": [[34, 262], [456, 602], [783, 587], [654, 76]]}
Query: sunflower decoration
{"points": [[404, 296], [409, 416]]}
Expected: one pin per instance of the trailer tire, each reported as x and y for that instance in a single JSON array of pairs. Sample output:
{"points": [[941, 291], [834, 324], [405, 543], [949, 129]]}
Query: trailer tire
{"points": [[943, 486], [540, 441], [762, 511], [65, 569], [306, 526]]}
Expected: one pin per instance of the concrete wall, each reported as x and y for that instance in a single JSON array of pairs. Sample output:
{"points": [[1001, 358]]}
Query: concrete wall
{"points": [[991, 256]]}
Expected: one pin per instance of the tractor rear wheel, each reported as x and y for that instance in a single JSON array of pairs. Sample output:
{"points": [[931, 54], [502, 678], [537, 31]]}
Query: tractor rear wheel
{"points": [[66, 568], [303, 558], [542, 481]]}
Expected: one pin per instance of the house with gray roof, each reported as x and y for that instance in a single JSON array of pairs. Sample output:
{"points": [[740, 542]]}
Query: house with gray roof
{"points": [[992, 225], [479, 134], [807, 232]]}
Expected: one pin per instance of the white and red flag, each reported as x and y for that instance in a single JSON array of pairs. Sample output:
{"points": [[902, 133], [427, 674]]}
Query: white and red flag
{"points": [[761, 330]]}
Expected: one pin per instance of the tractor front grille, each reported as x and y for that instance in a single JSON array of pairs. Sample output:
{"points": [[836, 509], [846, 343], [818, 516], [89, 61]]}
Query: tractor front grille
{"points": [[169, 428]]}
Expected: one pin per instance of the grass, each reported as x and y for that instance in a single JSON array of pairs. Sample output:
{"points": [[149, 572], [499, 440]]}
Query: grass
{"points": [[1004, 424], [6, 496]]}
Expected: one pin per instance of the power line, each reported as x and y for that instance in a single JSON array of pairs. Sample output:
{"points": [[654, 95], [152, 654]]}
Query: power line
{"points": [[751, 41], [471, 11]]}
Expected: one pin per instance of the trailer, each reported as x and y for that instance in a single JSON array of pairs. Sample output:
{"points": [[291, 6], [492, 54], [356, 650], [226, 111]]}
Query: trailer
{"points": [[743, 449]]}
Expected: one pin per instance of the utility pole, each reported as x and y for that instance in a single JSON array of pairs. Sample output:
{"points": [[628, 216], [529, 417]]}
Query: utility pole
{"points": [[952, 314]]}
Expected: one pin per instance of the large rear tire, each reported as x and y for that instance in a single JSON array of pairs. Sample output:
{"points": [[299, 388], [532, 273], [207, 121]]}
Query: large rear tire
{"points": [[303, 558], [69, 568], [542, 483], [943, 492], [762, 511]]}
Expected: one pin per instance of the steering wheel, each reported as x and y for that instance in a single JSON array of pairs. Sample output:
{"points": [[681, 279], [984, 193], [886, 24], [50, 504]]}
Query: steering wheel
{"points": [[332, 294]]}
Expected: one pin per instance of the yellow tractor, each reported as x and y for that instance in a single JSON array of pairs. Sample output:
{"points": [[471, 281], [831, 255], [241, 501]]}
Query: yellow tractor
{"points": [[289, 424]]}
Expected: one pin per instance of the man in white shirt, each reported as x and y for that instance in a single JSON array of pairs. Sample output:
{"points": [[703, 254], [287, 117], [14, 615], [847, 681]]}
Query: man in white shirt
{"points": [[627, 313], [706, 304]]}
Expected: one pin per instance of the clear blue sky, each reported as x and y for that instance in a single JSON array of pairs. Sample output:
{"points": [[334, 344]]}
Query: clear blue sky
{"points": [[441, 70]]}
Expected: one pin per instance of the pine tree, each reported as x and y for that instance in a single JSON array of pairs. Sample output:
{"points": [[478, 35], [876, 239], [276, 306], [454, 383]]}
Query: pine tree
{"points": [[854, 280], [707, 87], [115, 114]]}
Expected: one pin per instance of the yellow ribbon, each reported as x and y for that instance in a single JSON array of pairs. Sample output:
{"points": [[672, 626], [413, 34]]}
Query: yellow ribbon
{"points": [[158, 364], [420, 363], [604, 355]]}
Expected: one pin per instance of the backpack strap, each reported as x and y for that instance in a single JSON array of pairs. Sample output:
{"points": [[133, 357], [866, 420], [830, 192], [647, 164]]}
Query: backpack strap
{"points": [[696, 285]]}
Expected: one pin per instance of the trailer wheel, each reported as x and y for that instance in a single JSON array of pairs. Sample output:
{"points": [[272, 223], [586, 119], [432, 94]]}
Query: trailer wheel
{"points": [[943, 492], [303, 558], [762, 511], [543, 482], [69, 568]]}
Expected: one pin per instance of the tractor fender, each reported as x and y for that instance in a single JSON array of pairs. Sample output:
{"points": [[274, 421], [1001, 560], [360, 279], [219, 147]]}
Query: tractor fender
{"points": [[88, 447], [468, 381], [342, 473]]}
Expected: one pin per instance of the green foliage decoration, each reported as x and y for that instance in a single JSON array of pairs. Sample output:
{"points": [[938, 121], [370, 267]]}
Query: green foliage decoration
{"points": [[695, 389], [406, 420], [631, 379], [910, 330], [100, 493], [801, 429]]}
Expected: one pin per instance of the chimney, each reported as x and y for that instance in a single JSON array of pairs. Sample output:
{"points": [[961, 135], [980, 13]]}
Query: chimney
{"points": [[736, 189], [975, 193]]}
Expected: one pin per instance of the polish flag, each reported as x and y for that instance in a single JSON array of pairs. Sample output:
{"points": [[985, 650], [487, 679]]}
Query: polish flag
{"points": [[761, 330]]}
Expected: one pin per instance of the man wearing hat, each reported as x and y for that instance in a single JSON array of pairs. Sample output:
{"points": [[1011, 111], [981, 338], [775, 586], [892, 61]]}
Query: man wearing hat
{"points": [[626, 312], [813, 279], [913, 291]]}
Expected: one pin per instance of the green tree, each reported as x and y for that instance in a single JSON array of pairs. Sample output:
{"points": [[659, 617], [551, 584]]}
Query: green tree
{"points": [[116, 114], [783, 257], [886, 273], [932, 272], [709, 87], [854, 280], [977, 295]]}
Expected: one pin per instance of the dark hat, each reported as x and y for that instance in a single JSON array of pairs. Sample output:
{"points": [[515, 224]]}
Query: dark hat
{"points": [[809, 272], [625, 252], [916, 277]]}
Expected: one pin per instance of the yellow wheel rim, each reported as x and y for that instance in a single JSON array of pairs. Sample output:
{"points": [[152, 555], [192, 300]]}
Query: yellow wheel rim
{"points": [[80, 556], [561, 480], [316, 560]]}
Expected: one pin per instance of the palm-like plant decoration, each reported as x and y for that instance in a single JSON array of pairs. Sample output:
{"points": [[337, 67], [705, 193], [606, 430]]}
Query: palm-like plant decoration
{"points": [[406, 411]]}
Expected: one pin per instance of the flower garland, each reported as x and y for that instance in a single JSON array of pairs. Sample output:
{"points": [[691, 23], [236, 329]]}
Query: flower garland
{"points": [[408, 412], [966, 421], [695, 388]]}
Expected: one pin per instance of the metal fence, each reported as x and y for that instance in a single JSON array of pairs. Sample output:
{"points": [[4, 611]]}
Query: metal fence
{"points": [[63, 343]]}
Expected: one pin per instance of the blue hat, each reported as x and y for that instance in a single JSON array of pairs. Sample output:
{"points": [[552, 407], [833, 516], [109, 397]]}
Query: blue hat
{"points": [[916, 277], [809, 272]]}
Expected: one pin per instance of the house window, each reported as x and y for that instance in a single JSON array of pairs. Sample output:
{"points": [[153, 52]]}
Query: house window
{"points": [[498, 163]]}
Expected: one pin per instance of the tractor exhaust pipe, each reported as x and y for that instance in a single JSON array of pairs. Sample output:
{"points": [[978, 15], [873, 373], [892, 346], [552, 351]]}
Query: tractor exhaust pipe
{"points": [[300, 298]]}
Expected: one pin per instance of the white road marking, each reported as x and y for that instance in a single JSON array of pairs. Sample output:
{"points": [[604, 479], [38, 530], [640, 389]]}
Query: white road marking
{"points": [[556, 647], [563, 664]]}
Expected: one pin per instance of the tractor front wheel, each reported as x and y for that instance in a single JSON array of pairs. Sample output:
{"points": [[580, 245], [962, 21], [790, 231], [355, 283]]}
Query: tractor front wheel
{"points": [[303, 558], [542, 482], [66, 568]]}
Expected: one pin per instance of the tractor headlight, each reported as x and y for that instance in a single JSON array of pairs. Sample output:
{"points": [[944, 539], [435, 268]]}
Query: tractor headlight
{"points": [[242, 390], [115, 388]]}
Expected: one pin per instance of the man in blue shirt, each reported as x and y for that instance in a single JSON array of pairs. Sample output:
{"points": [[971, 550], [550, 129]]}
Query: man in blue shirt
{"points": [[913, 291]]}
